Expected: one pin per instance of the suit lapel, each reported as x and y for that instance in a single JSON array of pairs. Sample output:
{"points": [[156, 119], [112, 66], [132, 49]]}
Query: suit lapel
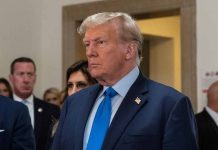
{"points": [[211, 122], [37, 116], [129, 106]]}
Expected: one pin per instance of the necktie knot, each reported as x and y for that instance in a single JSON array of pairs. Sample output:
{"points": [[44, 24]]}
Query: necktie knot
{"points": [[110, 92]]}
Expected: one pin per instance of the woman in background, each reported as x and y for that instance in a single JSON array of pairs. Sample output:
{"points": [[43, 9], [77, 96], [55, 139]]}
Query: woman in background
{"points": [[78, 77], [5, 88], [52, 95]]}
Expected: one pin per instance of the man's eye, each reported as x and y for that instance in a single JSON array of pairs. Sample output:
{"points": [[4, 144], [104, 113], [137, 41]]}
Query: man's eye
{"points": [[86, 44], [100, 42], [30, 74], [19, 73]]}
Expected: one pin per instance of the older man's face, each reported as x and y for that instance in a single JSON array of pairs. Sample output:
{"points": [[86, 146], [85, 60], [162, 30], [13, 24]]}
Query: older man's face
{"points": [[106, 53]]}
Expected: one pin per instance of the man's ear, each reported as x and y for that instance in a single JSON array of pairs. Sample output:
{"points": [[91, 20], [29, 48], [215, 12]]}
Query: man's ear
{"points": [[131, 50]]}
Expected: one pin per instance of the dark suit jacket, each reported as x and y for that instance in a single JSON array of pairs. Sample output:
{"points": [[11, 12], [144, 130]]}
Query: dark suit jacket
{"points": [[45, 116], [16, 131], [163, 120], [207, 131]]}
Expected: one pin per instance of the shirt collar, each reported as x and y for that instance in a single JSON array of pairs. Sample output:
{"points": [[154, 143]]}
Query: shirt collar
{"points": [[29, 100], [123, 85], [213, 114]]}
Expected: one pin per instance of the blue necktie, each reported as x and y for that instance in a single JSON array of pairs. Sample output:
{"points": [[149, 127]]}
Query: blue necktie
{"points": [[101, 121]]}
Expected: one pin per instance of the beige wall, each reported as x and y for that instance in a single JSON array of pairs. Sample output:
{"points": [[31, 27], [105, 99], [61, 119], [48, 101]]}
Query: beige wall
{"points": [[33, 29], [165, 52], [20, 33]]}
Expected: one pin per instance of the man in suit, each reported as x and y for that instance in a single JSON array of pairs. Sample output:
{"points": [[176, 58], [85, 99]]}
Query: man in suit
{"points": [[207, 120], [16, 132], [143, 114], [43, 115]]}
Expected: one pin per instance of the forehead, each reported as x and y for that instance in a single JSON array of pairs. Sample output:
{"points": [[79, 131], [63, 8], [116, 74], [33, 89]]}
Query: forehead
{"points": [[77, 76], [50, 94], [24, 66], [99, 31]]}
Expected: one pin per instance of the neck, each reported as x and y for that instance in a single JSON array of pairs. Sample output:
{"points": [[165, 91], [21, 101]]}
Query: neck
{"points": [[23, 96], [111, 80]]}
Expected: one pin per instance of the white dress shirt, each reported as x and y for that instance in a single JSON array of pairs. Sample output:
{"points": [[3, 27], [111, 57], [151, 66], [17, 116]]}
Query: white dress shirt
{"points": [[121, 87], [29, 103], [213, 114]]}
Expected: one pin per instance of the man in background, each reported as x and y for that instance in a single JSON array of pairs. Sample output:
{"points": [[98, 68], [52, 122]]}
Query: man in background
{"points": [[207, 120], [16, 132], [43, 115]]}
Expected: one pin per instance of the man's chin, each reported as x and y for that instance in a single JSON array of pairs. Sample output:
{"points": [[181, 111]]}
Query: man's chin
{"points": [[94, 74], [27, 93]]}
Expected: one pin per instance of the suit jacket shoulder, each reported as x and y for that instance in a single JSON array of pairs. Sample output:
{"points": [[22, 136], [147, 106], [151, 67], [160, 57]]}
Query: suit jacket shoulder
{"points": [[15, 126], [207, 131]]}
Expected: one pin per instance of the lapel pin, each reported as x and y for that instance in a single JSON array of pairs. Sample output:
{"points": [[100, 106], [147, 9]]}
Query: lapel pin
{"points": [[40, 110], [137, 100]]}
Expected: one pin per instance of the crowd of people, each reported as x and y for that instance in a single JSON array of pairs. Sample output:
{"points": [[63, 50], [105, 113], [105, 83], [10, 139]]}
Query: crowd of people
{"points": [[107, 104], [41, 114]]}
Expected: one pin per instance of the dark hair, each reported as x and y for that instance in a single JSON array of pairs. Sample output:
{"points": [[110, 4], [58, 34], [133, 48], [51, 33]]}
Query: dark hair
{"points": [[22, 59], [81, 65], [8, 86]]}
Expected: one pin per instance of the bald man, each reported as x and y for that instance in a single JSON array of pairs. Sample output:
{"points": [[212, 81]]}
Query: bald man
{"points": [[207, 121]]}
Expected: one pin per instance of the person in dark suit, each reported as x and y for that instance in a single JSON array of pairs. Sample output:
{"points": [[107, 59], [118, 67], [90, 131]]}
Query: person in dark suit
{"points": [[125, 111], [43, 115], [207, 120], [16, 132]]}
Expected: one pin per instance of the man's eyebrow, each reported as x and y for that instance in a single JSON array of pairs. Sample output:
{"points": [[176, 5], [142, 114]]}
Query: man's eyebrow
{"points": [[95, 39]]}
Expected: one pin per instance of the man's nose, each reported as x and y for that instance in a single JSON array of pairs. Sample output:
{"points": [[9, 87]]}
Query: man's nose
{"points": [[26, 78], [90, 50]]}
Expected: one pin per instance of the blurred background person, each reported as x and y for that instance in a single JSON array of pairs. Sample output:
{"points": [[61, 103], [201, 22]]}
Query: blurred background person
{"points": [[52, 95], [5, 88], [63, 95], [78, 77], [43, 115], [207, 120]]}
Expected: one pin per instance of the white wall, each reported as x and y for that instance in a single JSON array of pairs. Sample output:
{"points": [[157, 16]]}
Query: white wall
{"points": [[207, 42]]}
